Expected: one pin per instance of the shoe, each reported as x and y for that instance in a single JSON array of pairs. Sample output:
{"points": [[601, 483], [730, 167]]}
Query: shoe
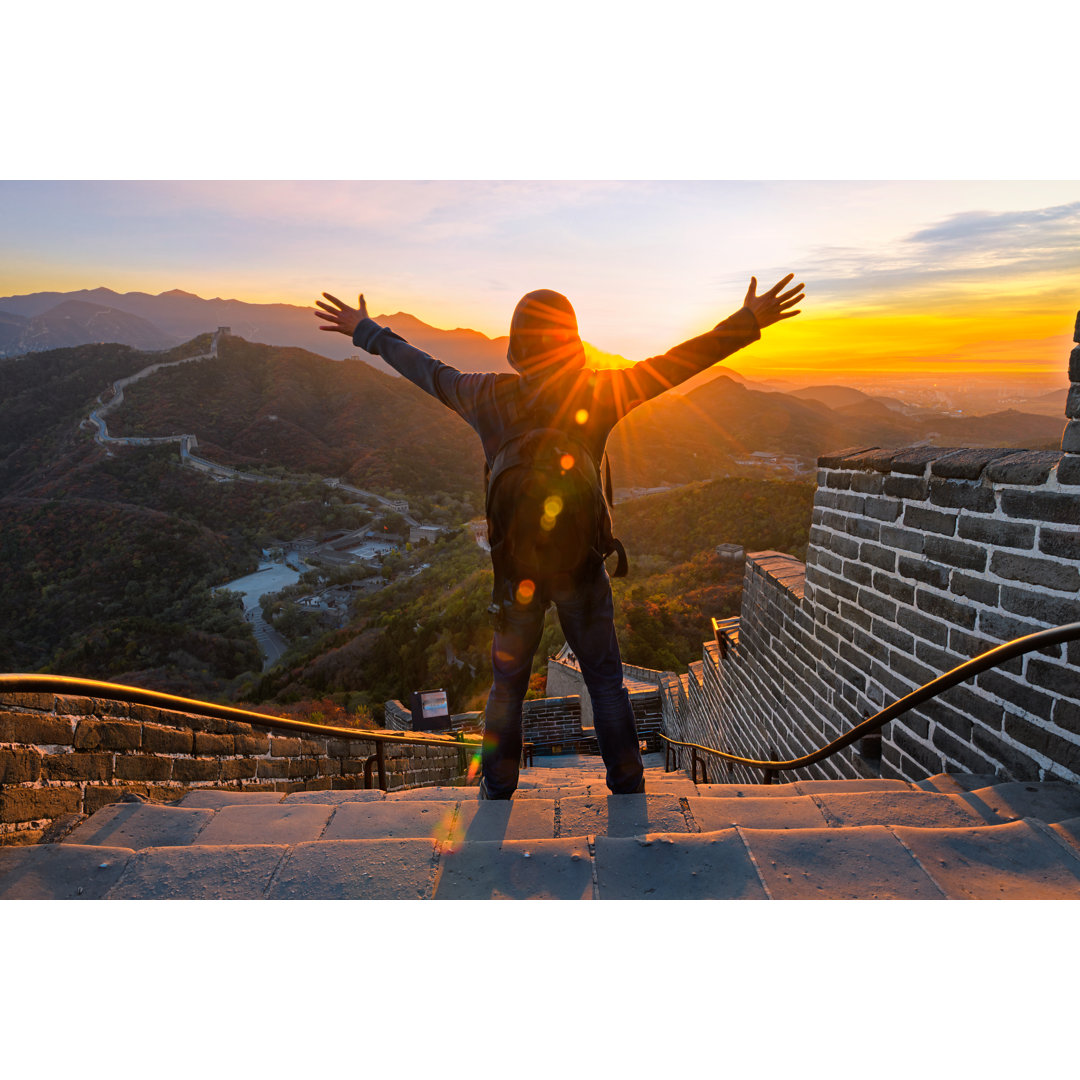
{"points": [[485, 796]]}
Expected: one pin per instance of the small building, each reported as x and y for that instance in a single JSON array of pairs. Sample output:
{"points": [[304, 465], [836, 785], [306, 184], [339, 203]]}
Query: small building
{"points": [[731, 552]]}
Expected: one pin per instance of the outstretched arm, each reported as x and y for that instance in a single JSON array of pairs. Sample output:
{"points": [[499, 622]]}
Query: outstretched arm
{"points": [[652, 377]]}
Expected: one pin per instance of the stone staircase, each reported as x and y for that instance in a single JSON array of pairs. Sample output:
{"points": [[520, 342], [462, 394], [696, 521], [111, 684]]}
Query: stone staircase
{"points": [[564, 837]]}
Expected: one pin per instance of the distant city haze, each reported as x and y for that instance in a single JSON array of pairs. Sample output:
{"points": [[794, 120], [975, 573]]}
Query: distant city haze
{"points": [[919, 279]]}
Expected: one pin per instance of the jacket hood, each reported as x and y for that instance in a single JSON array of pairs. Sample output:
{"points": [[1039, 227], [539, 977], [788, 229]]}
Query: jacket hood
{"points": [[544, 340]]}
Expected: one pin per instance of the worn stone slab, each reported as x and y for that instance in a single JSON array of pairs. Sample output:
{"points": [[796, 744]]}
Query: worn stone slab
{"points": [[995, 862], [516, 870], [1048, 801], [60, 871], [621, 815], [435, 794], [398, 869], [546, 792], [746, 791], [927, 809], [392, 819], [683, 786], [505, 820], [676, 867], [818, 787], [335, 798], [1068, 831], [215, 800], [270, 824], [140, 825], [199, 872], [865, 863], [955, 783], [794, 812]]}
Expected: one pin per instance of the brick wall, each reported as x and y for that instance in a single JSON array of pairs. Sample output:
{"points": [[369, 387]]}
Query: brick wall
{"points": [[62, 755], [919, 559]]}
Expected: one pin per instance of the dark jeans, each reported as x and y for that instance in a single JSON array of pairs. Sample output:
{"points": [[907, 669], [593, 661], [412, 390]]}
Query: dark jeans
{"points": [[586, 615]]}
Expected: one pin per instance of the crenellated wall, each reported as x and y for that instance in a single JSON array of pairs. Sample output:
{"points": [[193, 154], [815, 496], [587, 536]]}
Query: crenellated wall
{"points": [[919, 559]]}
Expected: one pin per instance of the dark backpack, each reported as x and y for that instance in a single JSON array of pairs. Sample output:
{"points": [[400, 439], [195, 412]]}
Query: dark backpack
{"points": [[547, 514]]}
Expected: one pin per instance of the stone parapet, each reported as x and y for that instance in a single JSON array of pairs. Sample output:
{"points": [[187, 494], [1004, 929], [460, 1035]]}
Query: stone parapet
{"points": [[62, 755], [919, 559]]}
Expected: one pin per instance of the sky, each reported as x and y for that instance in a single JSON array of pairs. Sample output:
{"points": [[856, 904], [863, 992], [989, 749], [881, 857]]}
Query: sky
{"points": [[913, 275]]}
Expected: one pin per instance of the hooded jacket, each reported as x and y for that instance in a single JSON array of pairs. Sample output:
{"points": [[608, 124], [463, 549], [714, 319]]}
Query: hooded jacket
{"points": [[554, 388]]}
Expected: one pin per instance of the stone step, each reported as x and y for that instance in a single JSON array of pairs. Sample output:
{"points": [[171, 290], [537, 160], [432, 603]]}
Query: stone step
{"points": [[809, 839], [1014, 860]]}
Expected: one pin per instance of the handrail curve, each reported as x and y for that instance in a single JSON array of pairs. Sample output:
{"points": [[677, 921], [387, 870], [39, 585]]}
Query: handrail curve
{"points": [[137, 695], [1000, 654]]}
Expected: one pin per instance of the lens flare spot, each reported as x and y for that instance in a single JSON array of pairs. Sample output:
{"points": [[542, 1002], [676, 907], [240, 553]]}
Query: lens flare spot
{"points": [[526, 590], [581, 416], [553, 506], [566, 462], [474, 767]]}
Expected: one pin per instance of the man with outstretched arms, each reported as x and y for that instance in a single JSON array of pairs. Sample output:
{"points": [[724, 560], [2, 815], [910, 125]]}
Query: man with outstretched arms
{"points": [[554, 390]]}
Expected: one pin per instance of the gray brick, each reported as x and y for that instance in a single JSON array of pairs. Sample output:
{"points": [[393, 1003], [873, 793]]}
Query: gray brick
{"points": [[906, 487], [1054, 677], [922, 626], [1067, 716], [963, 495], [1049, 744], [966, 464], [1069, 469], [1070, 439], [1072, 402], [1038, 605], [1064, 544], [881, 557], [924, 757], [941, 660], [927, 572], [1013, 762], [893, 635], [1016, 693], [1031, 467], [942, 607], [853, 614], [999, 533], [912, 670], [894, 587], [917, 517], [835, 478], [905, 539], [974, 588], [915, 459], [882, 509], [877, 604], [1001, 628], [1042, 506], [969, 759], [838, 459], [867, 483], [956, 553], [855, 571], [1042, 572]]}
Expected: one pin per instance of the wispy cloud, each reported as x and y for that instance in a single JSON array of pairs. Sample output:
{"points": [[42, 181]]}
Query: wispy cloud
{"points": [[961, 249]]}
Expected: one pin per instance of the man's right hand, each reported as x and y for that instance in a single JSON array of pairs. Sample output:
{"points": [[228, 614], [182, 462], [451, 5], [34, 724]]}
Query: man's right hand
{"points": [[772, 306], [341, 318]]}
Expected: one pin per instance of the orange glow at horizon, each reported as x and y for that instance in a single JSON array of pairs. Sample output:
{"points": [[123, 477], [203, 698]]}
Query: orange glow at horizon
{"points": [[1006, 335]]}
